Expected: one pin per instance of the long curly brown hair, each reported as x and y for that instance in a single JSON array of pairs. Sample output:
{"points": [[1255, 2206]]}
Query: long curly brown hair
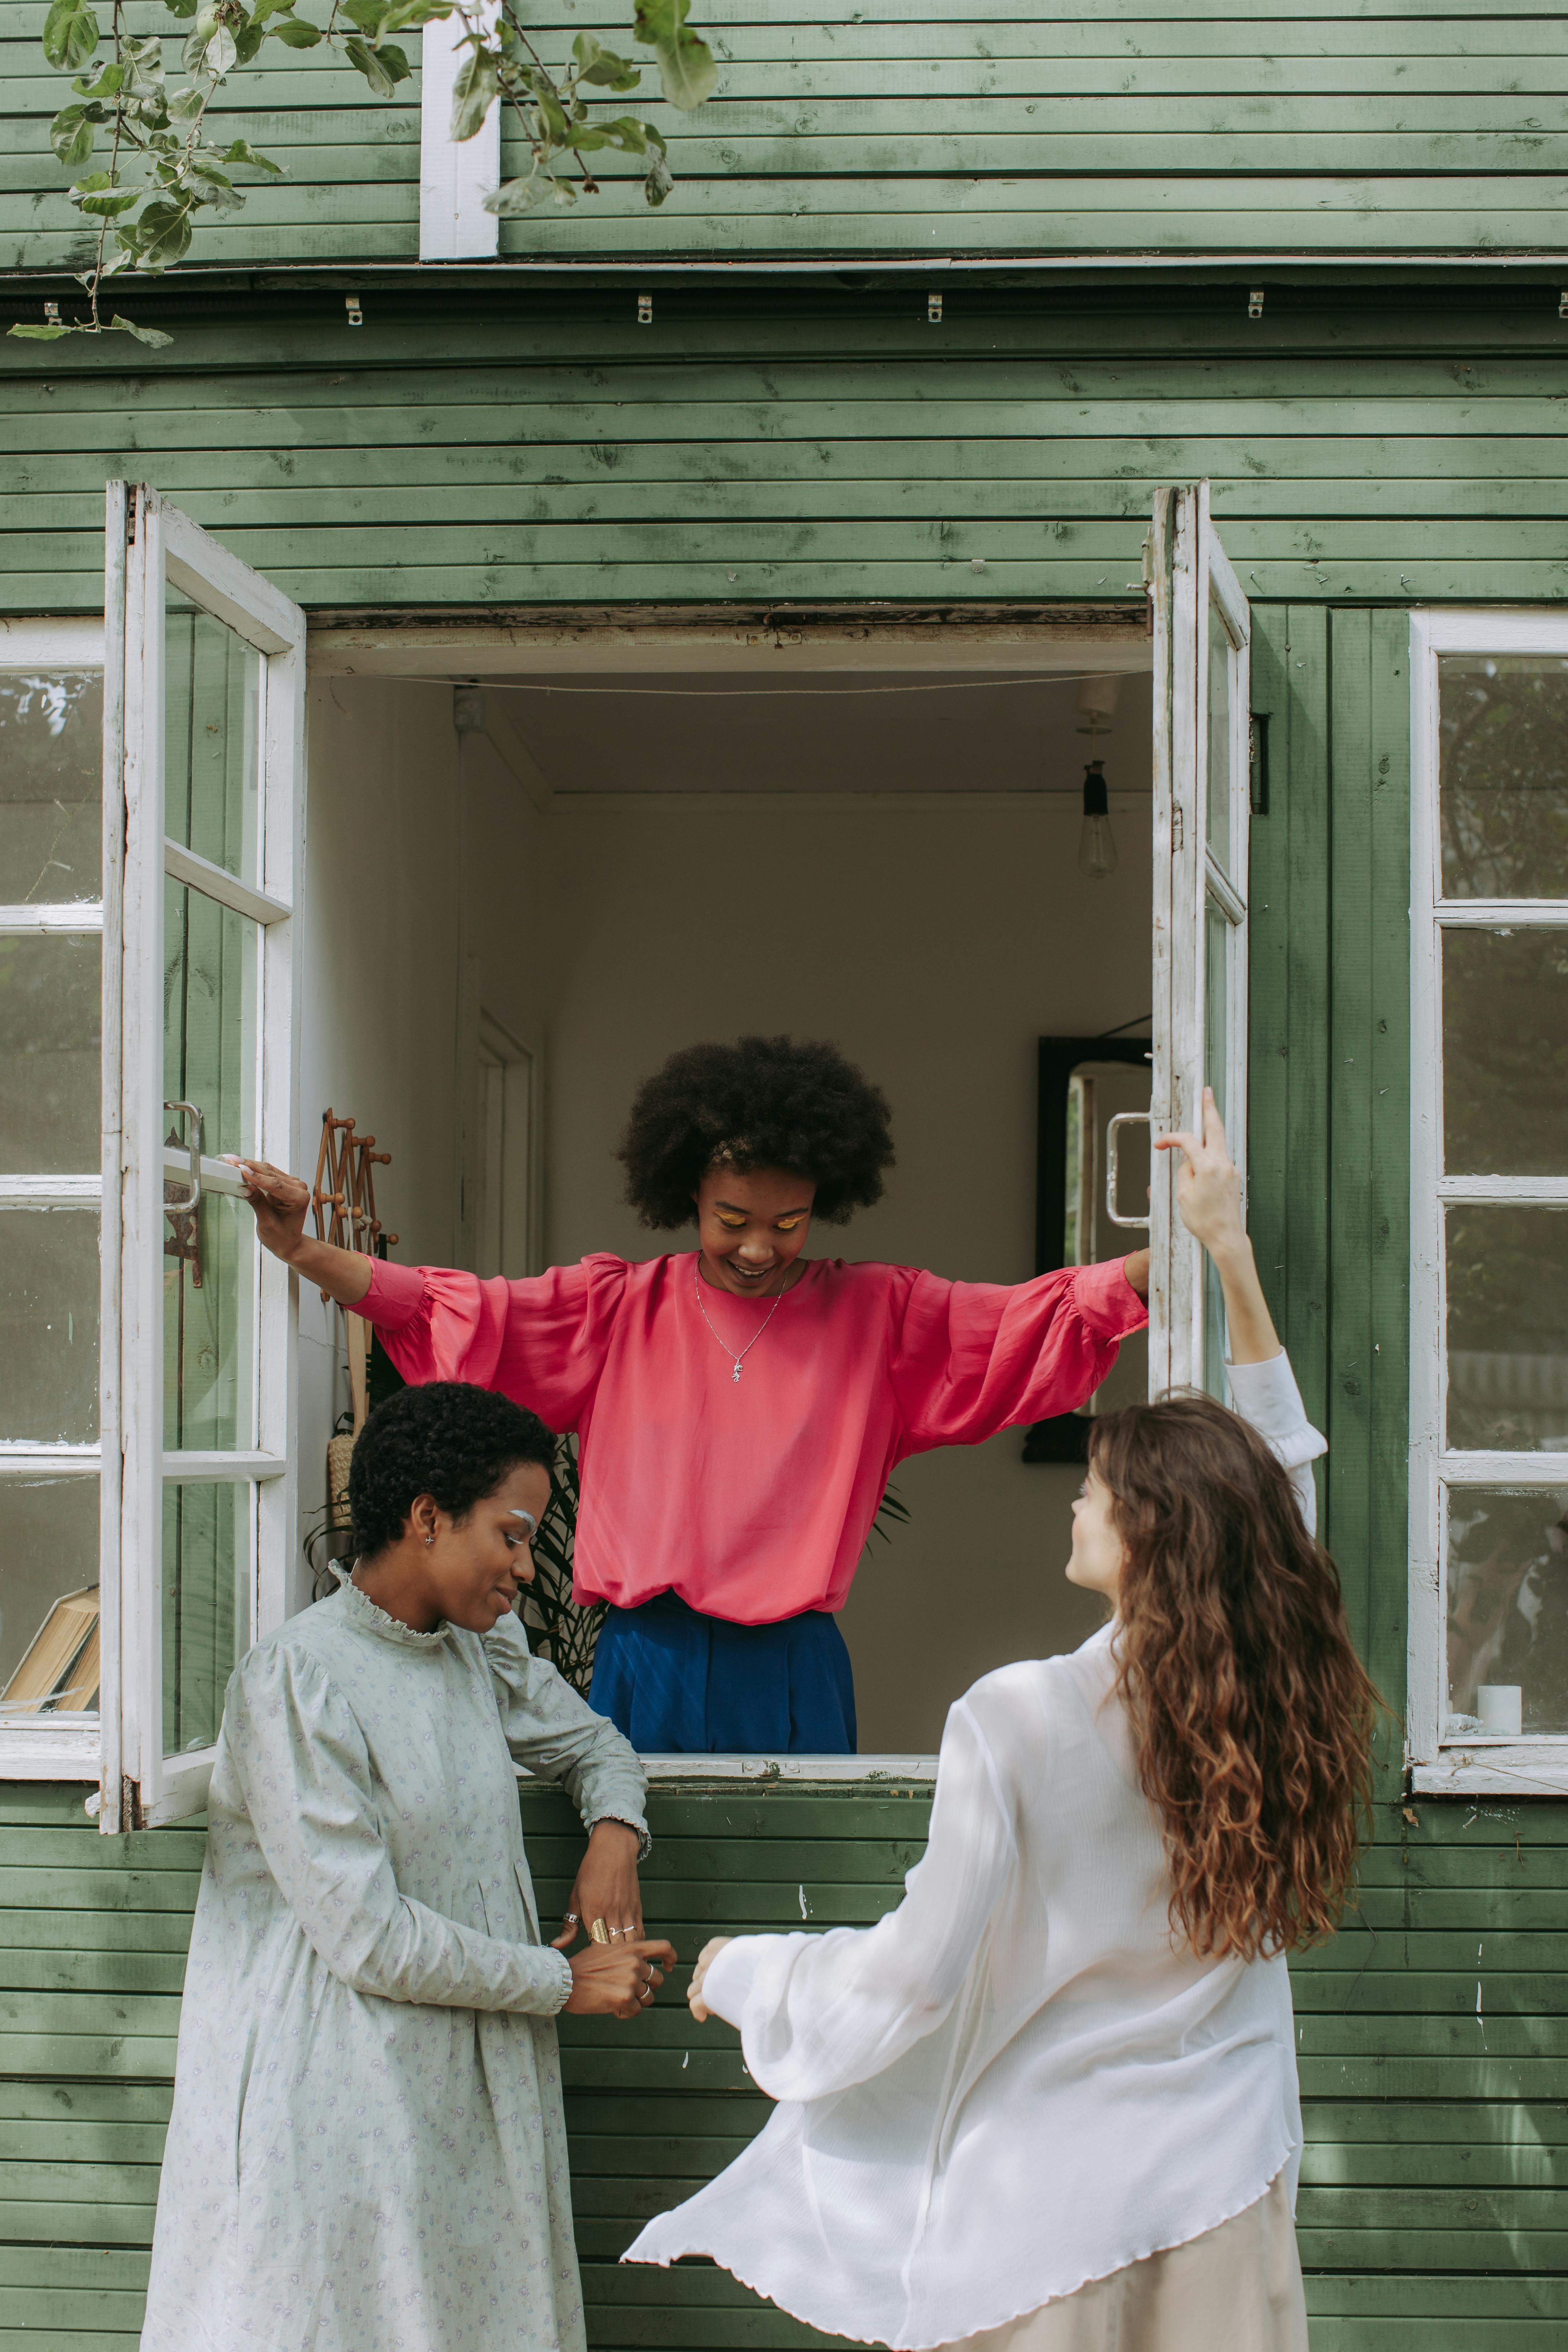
{"points": [[1251, 1712]]}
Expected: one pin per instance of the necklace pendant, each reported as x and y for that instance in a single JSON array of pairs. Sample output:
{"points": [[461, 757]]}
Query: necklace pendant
{"points": [[736, 1373]]}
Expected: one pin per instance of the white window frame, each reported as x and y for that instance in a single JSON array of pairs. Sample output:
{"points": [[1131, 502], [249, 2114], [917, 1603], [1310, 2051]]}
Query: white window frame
{"points": [[1535, 1764], [47, 1748], [1192, 585], [138, 1781], [454, 175]]}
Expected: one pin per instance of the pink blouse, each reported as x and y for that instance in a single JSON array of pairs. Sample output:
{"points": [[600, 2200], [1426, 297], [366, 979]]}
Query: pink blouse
{"points": [[752, 1499]]}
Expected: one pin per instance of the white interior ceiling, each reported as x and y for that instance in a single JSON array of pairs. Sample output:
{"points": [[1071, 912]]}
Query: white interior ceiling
{"points": [[943, 733]]}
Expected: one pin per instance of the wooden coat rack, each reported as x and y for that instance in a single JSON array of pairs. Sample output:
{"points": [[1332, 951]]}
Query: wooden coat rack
{"points": [[342, 1201]]}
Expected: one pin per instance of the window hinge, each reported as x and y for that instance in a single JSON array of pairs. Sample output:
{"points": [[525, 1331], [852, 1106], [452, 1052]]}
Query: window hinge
{"points": [[1175, 824]]}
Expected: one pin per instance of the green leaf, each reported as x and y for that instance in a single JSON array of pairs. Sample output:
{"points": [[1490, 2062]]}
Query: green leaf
{"points": [[197, 40], [153, 336], [162, 236], [383, 69], [515, 196], [627, 132], [601, 66], [188, 103], [686, 63], [240, 151], [71, 134], [658, 179], [473, 93], [181, 7], [110, 205], [247, 40], [296, 34], [70, 35], [40, 334], [107, 82], [368, 15]]}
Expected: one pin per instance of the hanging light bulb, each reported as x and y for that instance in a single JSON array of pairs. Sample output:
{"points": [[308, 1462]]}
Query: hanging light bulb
{"points": [[1096, 842]]}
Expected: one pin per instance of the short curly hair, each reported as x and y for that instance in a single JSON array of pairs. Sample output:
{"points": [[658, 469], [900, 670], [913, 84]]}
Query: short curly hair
{"points": [[762, 1102], [446, 1438]]}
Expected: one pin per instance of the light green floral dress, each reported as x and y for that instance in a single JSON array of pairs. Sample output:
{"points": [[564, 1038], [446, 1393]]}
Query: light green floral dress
{"points": [[367, 2151]]}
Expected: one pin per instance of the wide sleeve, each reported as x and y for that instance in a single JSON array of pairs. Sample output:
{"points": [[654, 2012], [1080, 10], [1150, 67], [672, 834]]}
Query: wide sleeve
{"points": [[303, 1770], [817, 2013], [553, 1731], [969, 1358], [543, 1341], [1267, 1396]]}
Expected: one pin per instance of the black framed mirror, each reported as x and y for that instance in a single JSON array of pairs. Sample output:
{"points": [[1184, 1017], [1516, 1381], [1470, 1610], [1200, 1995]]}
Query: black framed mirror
{"points": [[1083, 1082]]}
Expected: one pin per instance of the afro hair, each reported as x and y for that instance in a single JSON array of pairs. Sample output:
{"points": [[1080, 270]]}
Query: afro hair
{"points": [[446, 1438], [762, 1102]]}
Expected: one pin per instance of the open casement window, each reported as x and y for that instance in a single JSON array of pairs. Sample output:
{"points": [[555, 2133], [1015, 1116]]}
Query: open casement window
{"points": [[1202, 811], [1487, 1709], [200, 956]]}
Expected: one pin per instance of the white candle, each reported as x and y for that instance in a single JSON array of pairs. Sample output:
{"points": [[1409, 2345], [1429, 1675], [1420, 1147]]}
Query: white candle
{"points": [[1500, 1707]]}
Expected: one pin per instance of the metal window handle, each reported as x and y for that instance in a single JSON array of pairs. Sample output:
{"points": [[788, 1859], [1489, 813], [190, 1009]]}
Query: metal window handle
{"points": [[193, 1150], [1122, 1119]]}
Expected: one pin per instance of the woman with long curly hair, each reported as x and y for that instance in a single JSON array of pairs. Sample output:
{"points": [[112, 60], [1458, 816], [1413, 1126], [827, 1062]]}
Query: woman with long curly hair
{"points": [[1049, 2104], [739, 1405]]}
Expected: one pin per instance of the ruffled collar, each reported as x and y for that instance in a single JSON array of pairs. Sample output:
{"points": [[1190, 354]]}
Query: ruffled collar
{"points": [[371, 1620]]}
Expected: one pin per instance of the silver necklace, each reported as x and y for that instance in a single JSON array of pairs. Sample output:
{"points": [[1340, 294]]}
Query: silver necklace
{"points": [[740, 1360]]}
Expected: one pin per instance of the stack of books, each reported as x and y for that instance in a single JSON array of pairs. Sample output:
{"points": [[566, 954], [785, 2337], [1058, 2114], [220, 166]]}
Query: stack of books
{"points": [[58, 1672]]}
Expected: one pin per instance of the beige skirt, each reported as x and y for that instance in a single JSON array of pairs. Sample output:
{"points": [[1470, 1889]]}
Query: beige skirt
{"points": [[1234, 2289]]}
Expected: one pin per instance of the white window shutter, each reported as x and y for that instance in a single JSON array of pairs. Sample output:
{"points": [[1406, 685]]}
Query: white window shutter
{"points": [[455, 177]]}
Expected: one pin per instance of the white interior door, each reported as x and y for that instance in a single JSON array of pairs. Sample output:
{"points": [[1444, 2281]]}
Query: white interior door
{"points": [[1202, 812], [204, 988]]}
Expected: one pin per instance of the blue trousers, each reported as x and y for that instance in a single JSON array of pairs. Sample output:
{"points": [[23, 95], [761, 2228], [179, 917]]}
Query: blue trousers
{"points": [[679, 1684]]}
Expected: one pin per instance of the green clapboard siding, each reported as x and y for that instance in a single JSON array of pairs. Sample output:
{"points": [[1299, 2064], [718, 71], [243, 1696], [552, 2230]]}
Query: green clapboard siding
{"points": [[1433, 2207], [1000, 128], [827, 443]]}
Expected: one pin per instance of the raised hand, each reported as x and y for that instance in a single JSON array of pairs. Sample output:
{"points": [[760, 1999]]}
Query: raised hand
{"points": [[1209, 1202], [618, 1979], [1208, 1188], [281, 1203]]}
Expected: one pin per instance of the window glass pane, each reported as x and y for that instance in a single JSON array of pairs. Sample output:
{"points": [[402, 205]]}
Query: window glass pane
{"points": [[1508, 1611], [1216, 1072], [1503, 775], [1219, 742], [206, 1606], [209, 1324], [48, 1325], [211, 1046], [211, 1059], [1505, 1052], [48, 1600], [49, 1018], [51, 786], [212, 724], [1507, 1284]]}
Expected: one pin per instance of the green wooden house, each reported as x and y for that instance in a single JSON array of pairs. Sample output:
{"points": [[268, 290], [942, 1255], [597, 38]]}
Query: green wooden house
{"points": [[519, 650]]}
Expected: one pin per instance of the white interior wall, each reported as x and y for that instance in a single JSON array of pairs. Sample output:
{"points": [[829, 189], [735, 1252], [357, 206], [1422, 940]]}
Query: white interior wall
{"points": [[422, 859], [935, 938], [935, 935]]}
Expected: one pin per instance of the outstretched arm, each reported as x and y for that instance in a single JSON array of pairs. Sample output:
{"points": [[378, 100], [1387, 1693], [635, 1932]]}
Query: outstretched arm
{"points": [[1209, 1202], [280, 1201]]}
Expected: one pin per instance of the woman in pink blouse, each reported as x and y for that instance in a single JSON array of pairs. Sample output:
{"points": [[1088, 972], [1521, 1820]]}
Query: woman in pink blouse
{"points": [[738, 1406]]}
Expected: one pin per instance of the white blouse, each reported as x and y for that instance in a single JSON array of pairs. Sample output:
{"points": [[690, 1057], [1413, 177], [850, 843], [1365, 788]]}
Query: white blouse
{"points": [[1017, 2081]]}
